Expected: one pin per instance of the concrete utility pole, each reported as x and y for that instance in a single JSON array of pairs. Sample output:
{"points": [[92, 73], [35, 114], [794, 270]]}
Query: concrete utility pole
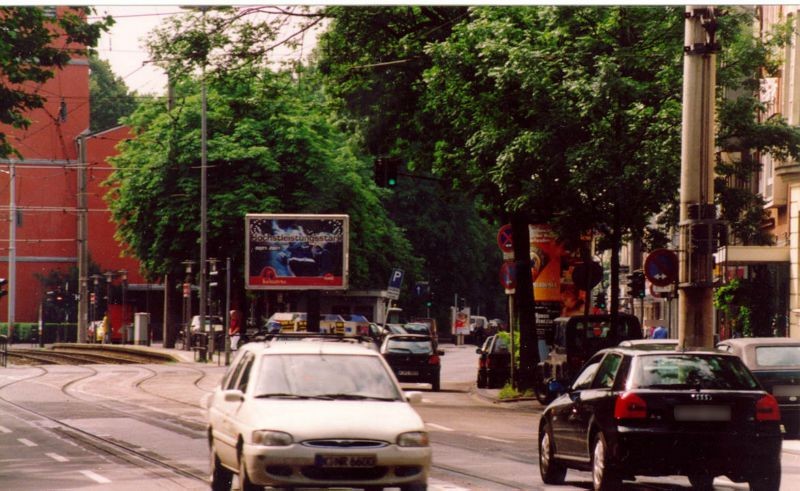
{"points": [[697, 211], [83, 232]]}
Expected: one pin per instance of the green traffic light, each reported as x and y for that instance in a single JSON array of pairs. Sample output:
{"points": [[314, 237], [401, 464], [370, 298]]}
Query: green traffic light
{"points": [[392, 182]]}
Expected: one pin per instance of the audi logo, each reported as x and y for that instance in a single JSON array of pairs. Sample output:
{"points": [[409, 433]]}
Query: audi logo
{"points": [[701, 397]]}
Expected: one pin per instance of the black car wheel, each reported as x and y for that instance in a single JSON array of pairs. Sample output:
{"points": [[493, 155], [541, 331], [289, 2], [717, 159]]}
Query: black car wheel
{"points": [[436, 384], [701, 482], [769, 479], [221, 478], [418, 486], [482, 383], [603, 476], [542, 394], [551, 471]]}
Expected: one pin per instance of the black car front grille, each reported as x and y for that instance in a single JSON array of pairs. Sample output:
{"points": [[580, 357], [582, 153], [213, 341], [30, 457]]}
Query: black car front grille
{"points": [[344, 443]]}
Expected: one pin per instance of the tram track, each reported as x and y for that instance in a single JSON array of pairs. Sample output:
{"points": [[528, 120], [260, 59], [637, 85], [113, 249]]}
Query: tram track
{"points": [[128, 453]]}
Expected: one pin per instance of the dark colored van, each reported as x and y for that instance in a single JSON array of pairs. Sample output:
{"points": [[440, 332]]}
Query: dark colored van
{"points": [[575, 340]]}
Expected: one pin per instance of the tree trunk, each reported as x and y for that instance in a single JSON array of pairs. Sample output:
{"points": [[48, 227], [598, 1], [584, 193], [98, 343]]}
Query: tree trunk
{"points": [[524, 303]]}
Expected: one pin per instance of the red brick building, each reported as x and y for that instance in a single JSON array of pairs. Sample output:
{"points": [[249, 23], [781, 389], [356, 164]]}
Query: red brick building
{"points": [[44, 202]]}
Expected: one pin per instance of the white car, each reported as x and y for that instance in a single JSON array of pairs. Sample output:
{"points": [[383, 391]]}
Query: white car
{"points": [[315, 413]]}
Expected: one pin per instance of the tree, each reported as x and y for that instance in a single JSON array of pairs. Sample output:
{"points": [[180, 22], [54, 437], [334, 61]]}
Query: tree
{"points": [[31, 52], [271, 148], [371, 60], [108, 95]]}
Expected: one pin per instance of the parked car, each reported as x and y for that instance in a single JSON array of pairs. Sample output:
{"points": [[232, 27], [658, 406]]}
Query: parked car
{"points": [[213, 323], [413, 358], [776, 364], [494, 362], [633, 412], [357, 323], [313, 414], [574, 340]]}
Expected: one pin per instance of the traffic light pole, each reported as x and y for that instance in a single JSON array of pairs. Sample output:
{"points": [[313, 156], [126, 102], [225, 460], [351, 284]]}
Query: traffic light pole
{"points": [[695, 307]]}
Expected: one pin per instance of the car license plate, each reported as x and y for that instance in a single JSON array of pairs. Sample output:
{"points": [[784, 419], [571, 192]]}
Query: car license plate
{"points": [[408, 372], [786, 390], [702, 413], [323, 460]]}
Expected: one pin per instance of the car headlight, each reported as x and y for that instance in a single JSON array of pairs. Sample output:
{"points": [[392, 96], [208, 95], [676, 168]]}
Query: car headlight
{"points": [[269, 438], [413, 439]]}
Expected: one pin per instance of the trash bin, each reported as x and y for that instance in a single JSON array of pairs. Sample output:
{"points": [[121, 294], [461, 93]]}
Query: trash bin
{"points": [[141, 328]]}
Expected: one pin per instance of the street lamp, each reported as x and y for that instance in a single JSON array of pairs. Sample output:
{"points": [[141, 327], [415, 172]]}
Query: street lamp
{"points": [[109, 278], [96, 283], [187, 303], [123, 273]]}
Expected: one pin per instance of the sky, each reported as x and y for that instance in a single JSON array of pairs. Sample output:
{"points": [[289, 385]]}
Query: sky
{"points": [[123, 45]]}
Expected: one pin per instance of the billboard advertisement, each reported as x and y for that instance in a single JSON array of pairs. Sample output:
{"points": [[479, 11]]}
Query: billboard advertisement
{"points": [[296, 252], [551, 270]]}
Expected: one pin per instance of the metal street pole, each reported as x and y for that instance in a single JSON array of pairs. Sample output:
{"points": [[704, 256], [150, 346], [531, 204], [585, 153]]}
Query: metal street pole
{"points": [[228, 311], [12, 248], [83, 244], [203, 197], [695, 307]]}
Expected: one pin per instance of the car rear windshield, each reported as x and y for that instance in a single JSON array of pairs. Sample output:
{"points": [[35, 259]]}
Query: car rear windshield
{"points": [[316, 375], [408, 346], [774, 356], [679, 371]]}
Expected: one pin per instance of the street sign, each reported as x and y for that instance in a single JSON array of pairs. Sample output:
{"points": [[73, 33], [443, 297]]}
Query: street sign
{"points": [[421, 289], [508, 275], [586, 276], [504, 238], [661, 267], [395, 281]]}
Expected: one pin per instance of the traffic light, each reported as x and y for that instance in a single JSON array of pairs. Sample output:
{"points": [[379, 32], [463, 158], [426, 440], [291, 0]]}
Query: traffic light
{"points": [[3, 284], [600, 300], [637, 284], [386, 171]]}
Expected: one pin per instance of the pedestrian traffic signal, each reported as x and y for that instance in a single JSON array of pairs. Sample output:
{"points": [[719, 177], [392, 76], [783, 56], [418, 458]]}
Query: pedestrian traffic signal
{"points": [[3, 284]]}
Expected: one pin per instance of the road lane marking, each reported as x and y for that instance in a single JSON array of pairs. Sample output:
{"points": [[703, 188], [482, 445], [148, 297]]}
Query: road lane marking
{"points": [[57, 458], [27, 442], [3, 429], [96, 477], [439, 427], [494, 439]]}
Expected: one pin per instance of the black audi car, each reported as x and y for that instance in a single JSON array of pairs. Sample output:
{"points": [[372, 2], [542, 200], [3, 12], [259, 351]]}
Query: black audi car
{"points": [[413, 358], [631, 411]]}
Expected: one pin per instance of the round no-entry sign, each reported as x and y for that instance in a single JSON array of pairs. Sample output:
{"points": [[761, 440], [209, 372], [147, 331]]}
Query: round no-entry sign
{"points": [[661, 267], [504, 238]]}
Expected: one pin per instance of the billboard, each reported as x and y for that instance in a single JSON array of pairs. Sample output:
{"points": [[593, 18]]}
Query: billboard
{"points": [[296, 252]]}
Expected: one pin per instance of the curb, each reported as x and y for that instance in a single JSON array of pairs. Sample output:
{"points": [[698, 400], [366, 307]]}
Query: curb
{"points": [[137, 350]]}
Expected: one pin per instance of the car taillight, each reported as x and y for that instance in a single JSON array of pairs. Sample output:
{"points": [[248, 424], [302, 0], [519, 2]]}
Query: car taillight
{"points": [[433, 360], [767, 409], [481, 363], [630, 406]]}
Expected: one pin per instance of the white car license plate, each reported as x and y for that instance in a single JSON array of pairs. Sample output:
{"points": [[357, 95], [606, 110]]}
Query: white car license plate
{"points": [[323, 460], [408, 372], [702, 413]]}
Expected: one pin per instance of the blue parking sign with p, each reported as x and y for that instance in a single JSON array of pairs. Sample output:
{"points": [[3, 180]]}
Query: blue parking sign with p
{"points": [[396, 280]]}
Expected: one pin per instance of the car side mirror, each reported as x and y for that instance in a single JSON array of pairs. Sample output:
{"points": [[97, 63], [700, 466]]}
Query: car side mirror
{"points": [[413, 397], [478, 350], [234, 395]]}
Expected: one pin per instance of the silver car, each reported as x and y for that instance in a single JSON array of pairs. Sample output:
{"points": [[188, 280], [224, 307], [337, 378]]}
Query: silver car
{"points": [[315, 413]]}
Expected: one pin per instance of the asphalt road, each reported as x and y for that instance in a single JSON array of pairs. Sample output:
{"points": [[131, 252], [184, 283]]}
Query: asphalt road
{"points": [[141, 427]]}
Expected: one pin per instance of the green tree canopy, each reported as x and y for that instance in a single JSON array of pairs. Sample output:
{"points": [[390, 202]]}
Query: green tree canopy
{"points": [[271, 149]]}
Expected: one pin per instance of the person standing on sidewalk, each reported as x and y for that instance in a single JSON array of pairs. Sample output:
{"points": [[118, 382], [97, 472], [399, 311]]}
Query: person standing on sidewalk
{"points": [[234, 329]]}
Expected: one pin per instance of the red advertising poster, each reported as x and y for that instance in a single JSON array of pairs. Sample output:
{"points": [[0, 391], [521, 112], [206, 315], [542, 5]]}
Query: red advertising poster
{"points": [[545, 264], [296, 252]]}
